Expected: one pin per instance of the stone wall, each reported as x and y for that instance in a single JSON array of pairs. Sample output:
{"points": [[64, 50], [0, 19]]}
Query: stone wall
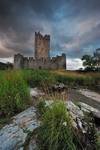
{"points": [[21, 62], [42, 59], [42, 46]]}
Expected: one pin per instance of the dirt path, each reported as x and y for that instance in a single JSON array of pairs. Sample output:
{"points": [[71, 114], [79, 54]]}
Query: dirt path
{"points": [[76, 96]]}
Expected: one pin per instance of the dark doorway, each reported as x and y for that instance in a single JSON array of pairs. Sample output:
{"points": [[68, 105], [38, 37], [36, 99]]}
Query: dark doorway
{"points": [[40, 67]]}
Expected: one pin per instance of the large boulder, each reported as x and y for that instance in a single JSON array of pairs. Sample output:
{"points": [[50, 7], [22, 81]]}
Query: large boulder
{"points": [[14, 135]]}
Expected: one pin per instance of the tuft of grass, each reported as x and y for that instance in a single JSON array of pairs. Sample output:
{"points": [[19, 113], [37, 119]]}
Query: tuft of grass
{"points": [[55, 132]]}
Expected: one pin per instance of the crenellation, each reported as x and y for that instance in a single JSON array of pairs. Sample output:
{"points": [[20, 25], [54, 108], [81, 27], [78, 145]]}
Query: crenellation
{"points": [[42, 58]]}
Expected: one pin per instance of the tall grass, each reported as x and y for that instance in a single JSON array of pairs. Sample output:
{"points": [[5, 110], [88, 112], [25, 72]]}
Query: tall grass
{"points": [[14, 93], [72, 78], [55, 132], [36, 78]]}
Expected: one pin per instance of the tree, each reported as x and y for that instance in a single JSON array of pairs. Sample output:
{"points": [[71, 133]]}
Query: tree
{"points": [[92, 63], [97, 59], [88, 62]]}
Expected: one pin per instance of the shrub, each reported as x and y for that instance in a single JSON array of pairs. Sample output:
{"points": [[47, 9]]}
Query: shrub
{"points": [[55, 132], [14, 93]]}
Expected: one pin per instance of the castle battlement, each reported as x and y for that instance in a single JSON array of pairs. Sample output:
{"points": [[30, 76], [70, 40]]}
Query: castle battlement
{"points": [[41, 59]]}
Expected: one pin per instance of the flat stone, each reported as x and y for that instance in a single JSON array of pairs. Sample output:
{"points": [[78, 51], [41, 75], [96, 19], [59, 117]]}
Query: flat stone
{"points": [[95, 112], [87, 108], [90, 94], [35, 92], [13, 135], [75, 110]]}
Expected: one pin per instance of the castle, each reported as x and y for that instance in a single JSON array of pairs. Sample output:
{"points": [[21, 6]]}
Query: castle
{"points": [[41, 59]]}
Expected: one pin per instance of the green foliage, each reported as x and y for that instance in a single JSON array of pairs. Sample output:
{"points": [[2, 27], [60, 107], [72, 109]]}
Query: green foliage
{"points": [[14, 93], [37, 78], [92, 63], [88, 60], [55, 132]]}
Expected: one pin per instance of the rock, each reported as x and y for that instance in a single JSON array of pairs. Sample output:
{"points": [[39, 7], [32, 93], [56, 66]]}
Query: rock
{"points": [[75, 110], [96, 116], [90, 94], [13, 136], [58, 87], [48, 103], [87, 108], [34, 92], [77, 116], [32, 145]]}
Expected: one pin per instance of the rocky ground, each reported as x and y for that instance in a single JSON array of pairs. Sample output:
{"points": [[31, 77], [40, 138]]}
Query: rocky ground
{"points": [[89, 97], [14, 135]]}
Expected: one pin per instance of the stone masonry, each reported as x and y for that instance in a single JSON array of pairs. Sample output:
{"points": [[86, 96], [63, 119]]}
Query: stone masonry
{"points": [[41, 59], [42, 46]]}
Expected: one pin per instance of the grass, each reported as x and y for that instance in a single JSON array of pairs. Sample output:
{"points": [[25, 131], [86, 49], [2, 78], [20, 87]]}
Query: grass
{"points": [[55, 132], [14, 93], [36, 78], [14, 86], [71, 78]]}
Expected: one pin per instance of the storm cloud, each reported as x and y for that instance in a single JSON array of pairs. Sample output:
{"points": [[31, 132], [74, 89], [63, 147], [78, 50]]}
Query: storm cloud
{"points": [[74, 26]]}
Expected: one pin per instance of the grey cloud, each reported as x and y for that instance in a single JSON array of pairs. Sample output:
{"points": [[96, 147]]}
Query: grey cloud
{"points": [[63, 19]]}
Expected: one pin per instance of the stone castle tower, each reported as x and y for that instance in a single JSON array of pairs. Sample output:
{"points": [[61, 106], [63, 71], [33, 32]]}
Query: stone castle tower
{"points": [[42, 46], [41, 59]]}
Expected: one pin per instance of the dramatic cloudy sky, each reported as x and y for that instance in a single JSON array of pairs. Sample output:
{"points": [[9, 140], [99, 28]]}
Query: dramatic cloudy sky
{"points": [[74, 26]]}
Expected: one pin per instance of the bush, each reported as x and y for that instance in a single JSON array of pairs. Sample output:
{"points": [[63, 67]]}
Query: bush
{"points": [[14, 93], [55, 132]]}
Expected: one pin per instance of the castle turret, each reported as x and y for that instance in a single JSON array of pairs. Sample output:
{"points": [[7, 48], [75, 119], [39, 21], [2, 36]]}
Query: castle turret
{"points": [[42, 45]]}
